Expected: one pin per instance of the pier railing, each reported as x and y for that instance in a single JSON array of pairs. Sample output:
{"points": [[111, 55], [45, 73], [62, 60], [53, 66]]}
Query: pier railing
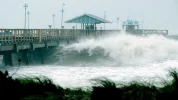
{"points": [[148, 32], [14, 36], [21, 36]]}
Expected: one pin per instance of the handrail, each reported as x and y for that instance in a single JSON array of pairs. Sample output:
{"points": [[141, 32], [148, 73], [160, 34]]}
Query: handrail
{"points": [[13, 36]]}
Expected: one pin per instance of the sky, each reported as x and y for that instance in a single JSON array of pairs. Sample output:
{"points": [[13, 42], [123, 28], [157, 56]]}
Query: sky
{"points": [[156, 14]]}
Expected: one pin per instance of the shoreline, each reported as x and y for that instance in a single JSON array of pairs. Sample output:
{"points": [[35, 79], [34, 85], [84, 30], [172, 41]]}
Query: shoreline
{"points": [[43, 88]]}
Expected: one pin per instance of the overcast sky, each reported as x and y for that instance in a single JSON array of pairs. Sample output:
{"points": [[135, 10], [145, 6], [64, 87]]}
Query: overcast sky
{"points": [[156, 14]]}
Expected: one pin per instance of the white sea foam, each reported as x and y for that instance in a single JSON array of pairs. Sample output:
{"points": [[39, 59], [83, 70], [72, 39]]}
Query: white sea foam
{"points": [[133, 58]]}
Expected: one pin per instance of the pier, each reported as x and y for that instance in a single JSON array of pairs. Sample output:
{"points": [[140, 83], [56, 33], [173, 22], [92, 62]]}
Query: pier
{"points": [[22, 41]]}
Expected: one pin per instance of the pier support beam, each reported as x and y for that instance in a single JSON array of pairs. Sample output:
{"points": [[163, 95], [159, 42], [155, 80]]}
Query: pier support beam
{"points": [[7, 58], [42, 55], [25, 58]]}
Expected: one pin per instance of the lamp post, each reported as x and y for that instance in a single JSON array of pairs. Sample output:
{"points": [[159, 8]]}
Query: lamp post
{"points": [[62, 10], [117, 22], [28, 13], [25, 6], [104, 18], [76, 25], [142, 25], [50, 31], [54, 20]]}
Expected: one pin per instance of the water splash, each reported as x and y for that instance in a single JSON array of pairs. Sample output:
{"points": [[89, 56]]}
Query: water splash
{"points": [[122, 49], [148, 58]]}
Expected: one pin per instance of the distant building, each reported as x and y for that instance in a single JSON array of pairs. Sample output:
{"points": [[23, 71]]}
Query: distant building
{"points": [[130, 25]]}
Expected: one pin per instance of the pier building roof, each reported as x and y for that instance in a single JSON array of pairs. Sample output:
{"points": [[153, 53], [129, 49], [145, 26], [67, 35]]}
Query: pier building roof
{"points": [[88, 18]]}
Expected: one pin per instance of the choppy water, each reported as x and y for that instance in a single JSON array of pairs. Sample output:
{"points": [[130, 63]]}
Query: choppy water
{"points": [[122, 58]]}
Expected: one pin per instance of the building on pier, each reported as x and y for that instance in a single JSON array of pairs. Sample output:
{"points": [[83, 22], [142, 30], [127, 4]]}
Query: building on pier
{"points": [[88, 21], [130, 25]]}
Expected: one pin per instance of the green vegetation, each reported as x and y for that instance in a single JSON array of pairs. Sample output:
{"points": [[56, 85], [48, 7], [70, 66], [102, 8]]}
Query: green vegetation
{"points": [[44, 89]]}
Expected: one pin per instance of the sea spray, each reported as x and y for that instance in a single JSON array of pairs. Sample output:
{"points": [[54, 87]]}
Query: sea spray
{"points": [[120, 49]]}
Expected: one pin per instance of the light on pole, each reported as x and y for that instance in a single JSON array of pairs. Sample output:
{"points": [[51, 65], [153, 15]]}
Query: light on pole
{"points": [[50, 26], [54, 20], [104, 18], [28, 13], [25, 6], [62, 10], [117, 22]]}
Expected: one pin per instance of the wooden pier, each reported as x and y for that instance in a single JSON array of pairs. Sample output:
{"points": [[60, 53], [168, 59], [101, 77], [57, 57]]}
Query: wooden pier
{"points": [[22, 40], [16, 40]]}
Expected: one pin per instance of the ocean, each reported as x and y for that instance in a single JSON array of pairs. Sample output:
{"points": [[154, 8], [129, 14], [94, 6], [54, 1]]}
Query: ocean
{"points": [[122, 58]]}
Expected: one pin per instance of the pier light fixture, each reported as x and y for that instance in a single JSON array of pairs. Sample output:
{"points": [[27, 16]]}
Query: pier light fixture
{"points": [[117, 22], [104, 18], [25, 6], [54, 20], [28, 13], [62, 11]]}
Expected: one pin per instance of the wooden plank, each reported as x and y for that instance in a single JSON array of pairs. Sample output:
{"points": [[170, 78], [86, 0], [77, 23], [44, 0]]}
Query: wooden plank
{"points": [[7, 48], [23, 47]]}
